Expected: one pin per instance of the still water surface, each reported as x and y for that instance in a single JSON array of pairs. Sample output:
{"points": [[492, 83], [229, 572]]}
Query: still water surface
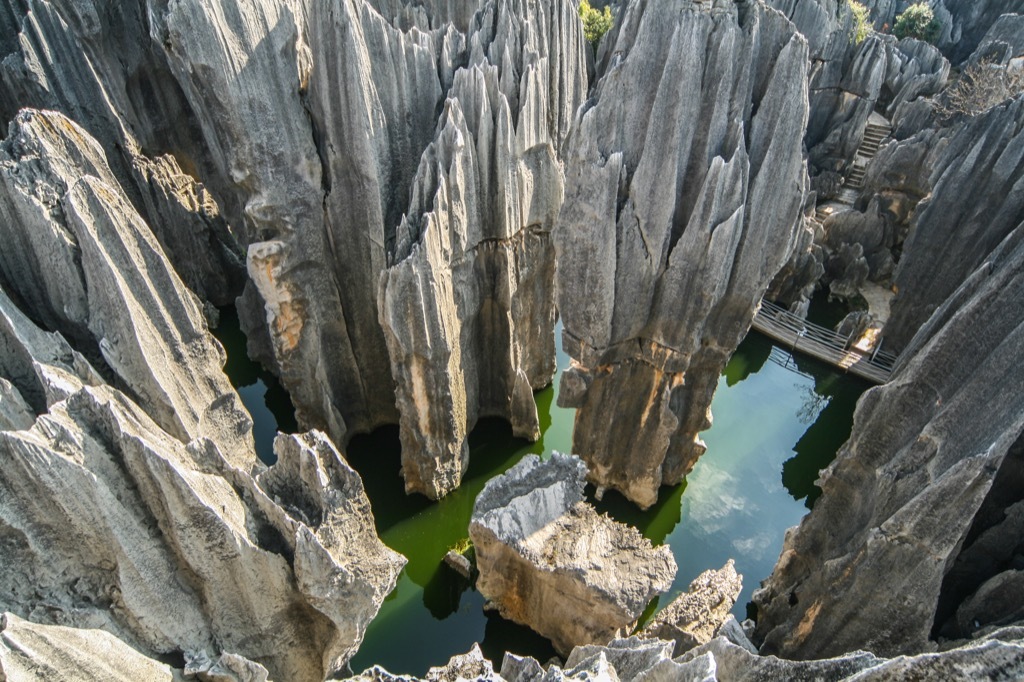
{"points": [[777, 421]]}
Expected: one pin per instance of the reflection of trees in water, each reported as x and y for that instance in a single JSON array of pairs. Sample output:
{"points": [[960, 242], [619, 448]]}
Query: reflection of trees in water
{"points": [[827, 407], [812, 404]]}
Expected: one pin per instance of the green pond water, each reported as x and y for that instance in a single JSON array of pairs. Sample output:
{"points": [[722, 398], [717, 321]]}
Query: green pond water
{"points": [[778, 420]]}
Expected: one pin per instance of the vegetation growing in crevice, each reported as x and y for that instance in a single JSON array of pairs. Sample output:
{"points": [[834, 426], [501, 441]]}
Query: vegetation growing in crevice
{"points": [[862, 26], [981, 86], [595, 22], [917, 21]]}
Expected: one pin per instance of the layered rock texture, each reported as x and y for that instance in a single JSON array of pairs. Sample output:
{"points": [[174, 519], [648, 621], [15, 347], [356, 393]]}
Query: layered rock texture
{"points": [[996, 656], [695, 616], [337, 142], [548, 560], [30, 652], [467, 306], [684, 188], [902, 544], [131, 499], [950, 237]]}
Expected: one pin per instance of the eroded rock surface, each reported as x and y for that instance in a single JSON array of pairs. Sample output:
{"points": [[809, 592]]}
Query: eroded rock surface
{"points": [[128, 501], [83, 261], [694, 617], [467, 305], [684, 189], [549, 561], [110, 523], [995, 656], [950, 237], [933, 462], [393, 254]]}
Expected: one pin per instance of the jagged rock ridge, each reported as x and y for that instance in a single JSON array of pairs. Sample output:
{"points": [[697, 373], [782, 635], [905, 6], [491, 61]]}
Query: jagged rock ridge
{"points": [[157, 525]]}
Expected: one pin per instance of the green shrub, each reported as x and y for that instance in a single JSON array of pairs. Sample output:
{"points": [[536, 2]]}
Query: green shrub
{"points": [[862, 26], [595, 22], [917, 21]]}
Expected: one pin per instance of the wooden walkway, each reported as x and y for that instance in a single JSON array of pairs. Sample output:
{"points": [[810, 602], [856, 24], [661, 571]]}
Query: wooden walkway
{"points": [[861, 356]]}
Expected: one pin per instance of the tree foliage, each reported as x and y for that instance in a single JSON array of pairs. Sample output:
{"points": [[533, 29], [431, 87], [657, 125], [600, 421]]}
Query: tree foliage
{"points": [[595, 22], [917, 21], [862, 26]]}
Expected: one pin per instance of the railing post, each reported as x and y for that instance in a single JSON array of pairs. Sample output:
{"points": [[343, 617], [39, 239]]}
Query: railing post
{"points": [[878, 348]]}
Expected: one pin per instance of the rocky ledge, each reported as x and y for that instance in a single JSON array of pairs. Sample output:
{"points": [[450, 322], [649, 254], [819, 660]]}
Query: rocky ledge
{"points": [[549, 561]]}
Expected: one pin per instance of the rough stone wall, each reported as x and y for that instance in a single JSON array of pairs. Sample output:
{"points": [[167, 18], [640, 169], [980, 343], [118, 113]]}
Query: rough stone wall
{"points": [[683, 194], [950, 237], [915, 484], [467, 305], [345, 194]]}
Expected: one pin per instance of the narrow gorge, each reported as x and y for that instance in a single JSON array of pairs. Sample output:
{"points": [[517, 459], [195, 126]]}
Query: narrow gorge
{"points": [[302, 300]]}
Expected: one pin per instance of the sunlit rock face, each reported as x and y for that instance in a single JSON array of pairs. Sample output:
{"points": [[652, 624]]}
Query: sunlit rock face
{"points": [[82, 261], [131, 498], [549, 561], [467, 303], [684, 185], [917, 524]]}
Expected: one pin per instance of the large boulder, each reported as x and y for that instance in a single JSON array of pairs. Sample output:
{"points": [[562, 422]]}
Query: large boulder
{"points": [[549, 561]]}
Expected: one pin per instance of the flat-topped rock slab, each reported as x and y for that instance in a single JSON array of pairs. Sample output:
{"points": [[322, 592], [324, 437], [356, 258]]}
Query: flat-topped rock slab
{"points": [[549, 561]]}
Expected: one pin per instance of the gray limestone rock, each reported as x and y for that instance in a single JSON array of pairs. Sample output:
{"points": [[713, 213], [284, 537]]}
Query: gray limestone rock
{"points": [[95, 63], [881, 74], [1003, 43], [695, 616], [15, 413], [1000, 655], [467, 305], [684, 191], [109, 523], [549, 561], [950, 237], [369, 212], [30, 652], [868, 567], [84, 262]]}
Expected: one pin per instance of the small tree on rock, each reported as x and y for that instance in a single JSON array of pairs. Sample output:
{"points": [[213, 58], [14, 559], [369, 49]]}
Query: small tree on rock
{"points": [[981, 86], [917, 21], [595, 22], [862, 26]]}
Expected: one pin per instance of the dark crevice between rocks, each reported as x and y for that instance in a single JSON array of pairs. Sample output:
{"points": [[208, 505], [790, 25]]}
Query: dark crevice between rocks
{"points": [[979, 559], [262, 394]]}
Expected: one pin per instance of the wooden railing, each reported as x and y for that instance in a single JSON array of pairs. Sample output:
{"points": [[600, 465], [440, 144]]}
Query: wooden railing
{"points": [[861, 356]]}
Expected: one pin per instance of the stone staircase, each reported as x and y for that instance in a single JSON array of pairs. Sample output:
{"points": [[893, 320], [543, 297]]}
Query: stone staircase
{"points": [[875, 132]]}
